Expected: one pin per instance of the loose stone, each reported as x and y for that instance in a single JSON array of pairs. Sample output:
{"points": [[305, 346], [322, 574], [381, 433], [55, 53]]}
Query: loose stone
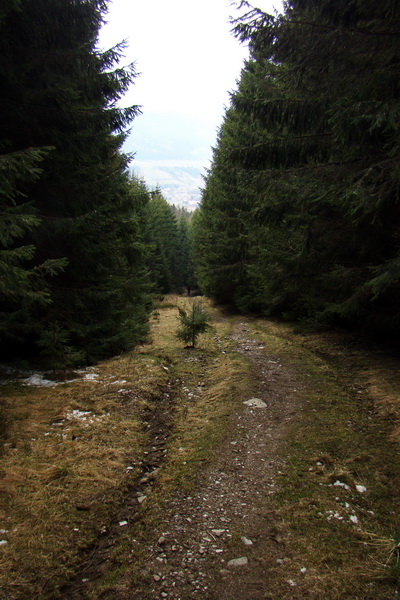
{"points": [[238, 562], [218, 532], [255, 403], [246, 541]]}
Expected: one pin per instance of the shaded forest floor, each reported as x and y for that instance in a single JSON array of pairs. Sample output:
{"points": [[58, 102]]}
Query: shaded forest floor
{"points": [[262, 465]]}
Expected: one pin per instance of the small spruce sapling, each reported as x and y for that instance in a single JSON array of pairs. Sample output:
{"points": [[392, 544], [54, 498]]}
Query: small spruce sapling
{"points": [[192, 323]]}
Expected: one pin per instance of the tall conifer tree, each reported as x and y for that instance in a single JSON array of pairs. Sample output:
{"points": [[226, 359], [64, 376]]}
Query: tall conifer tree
{"points": [[314, 150], [60, 91], [163, 237]]}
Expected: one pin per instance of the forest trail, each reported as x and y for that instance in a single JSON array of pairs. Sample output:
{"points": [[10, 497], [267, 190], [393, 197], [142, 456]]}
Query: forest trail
{"points": [[227, 517], [234, 526], [264, 465]]}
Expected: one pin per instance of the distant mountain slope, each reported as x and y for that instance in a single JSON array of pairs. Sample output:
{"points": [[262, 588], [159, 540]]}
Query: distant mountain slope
{"points": [[179, 181], [172, 152]]}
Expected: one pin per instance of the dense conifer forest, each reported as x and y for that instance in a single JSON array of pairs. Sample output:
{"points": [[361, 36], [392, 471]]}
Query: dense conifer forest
{"points": [[300, 212], [300, 209], [83, 244]]}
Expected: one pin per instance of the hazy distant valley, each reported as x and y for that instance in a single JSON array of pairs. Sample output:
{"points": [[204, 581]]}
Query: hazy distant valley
{"points": [[179, 181], [172, 152]]}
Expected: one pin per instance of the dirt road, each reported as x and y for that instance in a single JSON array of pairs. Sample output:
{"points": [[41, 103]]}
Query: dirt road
{"points": [[220, 541], [276, 510], [264, 464]]}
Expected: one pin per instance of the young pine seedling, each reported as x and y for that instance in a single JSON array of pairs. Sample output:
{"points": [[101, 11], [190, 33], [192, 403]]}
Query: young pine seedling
{"points": [[192, 323]]}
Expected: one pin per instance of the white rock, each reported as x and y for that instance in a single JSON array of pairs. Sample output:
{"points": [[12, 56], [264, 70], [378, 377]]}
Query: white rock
{"points": [[246, 541], [361, 489], [354, 519], [238, 562], [218, 532], [255, 403], [343, 485]]}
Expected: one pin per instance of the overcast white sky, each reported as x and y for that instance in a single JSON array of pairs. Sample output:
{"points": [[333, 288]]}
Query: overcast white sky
{"points": [[183, 49], [188, 62]]}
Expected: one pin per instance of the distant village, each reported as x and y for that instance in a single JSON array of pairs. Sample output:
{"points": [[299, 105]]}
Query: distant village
{"points": [[182, 196], [180, 182]]}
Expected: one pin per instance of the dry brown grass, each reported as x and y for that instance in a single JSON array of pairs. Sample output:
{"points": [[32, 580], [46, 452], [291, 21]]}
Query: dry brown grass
{"points": [[199, 425], [386, 392], [63, 474], [62, 478]]}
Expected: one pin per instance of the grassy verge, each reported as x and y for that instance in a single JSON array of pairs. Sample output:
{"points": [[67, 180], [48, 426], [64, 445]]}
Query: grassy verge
{"points": [[69, 453], [337, 504]]}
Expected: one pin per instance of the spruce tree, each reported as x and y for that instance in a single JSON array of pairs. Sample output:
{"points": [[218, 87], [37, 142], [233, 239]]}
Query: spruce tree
{"points": [[185, 254], [60, 91], [163, 237], [21, 286], [337, 150], [193, 322], [312, 157]]}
